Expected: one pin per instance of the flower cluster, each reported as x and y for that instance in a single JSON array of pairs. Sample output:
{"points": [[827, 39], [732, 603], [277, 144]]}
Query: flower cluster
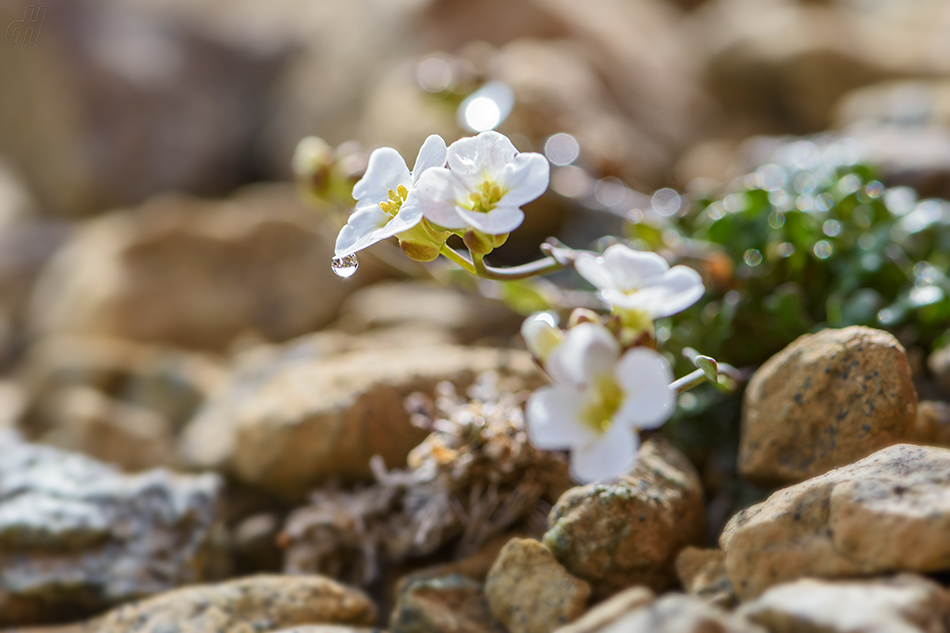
{"points": [[478, 195], [609, 382]]}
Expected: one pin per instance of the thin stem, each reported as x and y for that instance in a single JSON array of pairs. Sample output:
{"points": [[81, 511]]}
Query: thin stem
{"points": [[449, 252], [687, 382]]}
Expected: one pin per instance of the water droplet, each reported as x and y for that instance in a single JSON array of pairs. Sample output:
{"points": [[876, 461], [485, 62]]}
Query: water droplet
{"points": [[345, 266], [831, 228], [666, 202], [776, 219], [561, 149], [785, 249]]}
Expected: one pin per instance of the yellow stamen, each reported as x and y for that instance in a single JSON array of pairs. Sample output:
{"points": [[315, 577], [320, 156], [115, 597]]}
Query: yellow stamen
{"points": [[605, 400], [402, 191]]}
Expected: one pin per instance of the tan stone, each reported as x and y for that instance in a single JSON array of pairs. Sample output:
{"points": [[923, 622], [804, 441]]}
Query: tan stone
{"points": [[451, 604], [530, 592], [933, 423], [628, 532], [244, 605], [888, 512], [702, 572], [902, 604], [288, 425], [610, 610], [826, 400], [674, 613]]}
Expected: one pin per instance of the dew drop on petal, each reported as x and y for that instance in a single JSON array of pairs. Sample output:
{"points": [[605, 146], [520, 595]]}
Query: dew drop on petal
{"points": [[345, 266]]}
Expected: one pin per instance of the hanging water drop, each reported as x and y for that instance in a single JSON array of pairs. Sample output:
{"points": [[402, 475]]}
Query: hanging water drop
{"points": [[345, 266]]}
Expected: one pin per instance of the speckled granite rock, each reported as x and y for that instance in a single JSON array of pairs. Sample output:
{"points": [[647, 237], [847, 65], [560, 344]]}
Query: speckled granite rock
{"points": [[888, 512], [826, 400], [628, 532], [77, 536], [601, 616], [702, 572], [247, 605], [530, 592]]}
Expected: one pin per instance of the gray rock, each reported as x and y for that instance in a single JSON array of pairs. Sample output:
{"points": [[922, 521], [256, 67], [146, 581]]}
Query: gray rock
{"points": [[902, 604], [94, 537], [628, 532], [888, 512], [612, 609]]}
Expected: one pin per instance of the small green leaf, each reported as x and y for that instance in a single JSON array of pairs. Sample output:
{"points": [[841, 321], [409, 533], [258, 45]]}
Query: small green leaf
{"points": [[709, 366]]}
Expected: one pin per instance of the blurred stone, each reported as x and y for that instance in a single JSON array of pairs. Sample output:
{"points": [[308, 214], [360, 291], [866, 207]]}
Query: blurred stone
{"points": [[475, 566], [902, 604], [195, 273], [702, 572], [602, 616], [826, 400], [939, 365], [905, 103], [451, 604], [255, 543], [628, 532], [287, 426], [116, 104], [673, 613], [255, 603], [94, 537], [530, 592], [465, 316], [933, 423], [888, 512], [329, 628]]}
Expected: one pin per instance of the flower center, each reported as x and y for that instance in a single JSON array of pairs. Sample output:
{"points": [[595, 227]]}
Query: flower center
{"points": [[486, 196], [604, 400], [396, 198]]}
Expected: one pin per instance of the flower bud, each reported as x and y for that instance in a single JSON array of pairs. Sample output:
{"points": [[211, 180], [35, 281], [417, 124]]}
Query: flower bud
{"points": [[582, 315], [478, 243], [541, 334]]}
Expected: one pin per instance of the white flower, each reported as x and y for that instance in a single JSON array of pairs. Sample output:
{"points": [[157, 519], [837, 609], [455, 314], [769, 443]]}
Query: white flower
{"points": [[484, 186], [598, 401], [387, 201], [640, 281]]}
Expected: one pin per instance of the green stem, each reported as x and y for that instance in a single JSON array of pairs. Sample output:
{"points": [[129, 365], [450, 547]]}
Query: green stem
{"points": [[689, 381], [458, 259]]}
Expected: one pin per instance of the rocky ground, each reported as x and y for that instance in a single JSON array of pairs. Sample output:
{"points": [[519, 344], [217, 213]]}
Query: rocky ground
{"points": [[203, 429]]}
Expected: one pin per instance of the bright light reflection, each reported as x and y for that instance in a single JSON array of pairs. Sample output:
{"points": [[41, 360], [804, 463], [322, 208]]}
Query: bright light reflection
{"points": [[487, 107]]}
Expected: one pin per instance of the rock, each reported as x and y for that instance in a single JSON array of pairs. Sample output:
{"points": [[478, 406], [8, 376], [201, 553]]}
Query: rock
{"points": [[120, 103], [255, 603], [601, 616], [465, 316], [95, 537], [905, 103], [902, 604], [329, 628], [939, 365], [702, 572], [195, 274], [451, 604], [287, 426], [530, 592], [255, 543], [614, 535], [826, 400], [673, 613], [933, 423], [888, 512], [475, 566]]}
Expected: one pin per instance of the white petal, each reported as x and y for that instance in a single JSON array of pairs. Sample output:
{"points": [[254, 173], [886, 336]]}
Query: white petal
{"points": [[588, 351], [611, 456], [524, 178], [645, 377], [592, 268], [361, 230], [484, 155], [409, 215], [553, 420], [439, 190], [386, 170], [632, 269], [431, 154], [498, 221], [674, 291]]}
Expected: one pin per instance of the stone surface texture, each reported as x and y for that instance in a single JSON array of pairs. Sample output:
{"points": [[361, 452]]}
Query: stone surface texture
{"points": [[888, 512], [530, 592], [450, 604], [628, 532], [826, 400]]}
